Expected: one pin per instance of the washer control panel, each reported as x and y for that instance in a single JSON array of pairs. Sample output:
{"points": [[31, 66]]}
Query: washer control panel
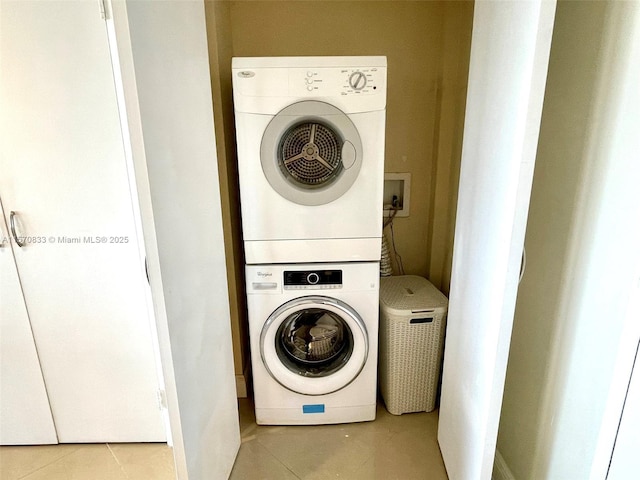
{"points": [[312, 279]]}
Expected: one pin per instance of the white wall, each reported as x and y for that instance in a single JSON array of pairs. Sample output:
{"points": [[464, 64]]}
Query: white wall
{"points": [[573, 340]]}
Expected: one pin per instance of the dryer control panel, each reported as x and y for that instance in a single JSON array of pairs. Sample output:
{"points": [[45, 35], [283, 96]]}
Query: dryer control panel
{"points": [[311, 81], [312, 279], [337, 81], [266, 85]]}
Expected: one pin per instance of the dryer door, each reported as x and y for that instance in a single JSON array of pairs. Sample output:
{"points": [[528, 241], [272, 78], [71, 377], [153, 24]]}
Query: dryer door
{"points": [[311, 153], [314, 345]]}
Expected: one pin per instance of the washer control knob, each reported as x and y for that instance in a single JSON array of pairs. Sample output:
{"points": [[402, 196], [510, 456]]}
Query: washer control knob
{"points": [[313, 278], [357, 80]]}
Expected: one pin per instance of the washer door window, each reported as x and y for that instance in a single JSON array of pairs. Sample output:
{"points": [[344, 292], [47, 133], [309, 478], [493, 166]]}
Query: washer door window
{"points": [[311, 153], [314, 345]]}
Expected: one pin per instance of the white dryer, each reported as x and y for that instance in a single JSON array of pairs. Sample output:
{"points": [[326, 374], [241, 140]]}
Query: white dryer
{"points": [[314, 342], [310, 136]]}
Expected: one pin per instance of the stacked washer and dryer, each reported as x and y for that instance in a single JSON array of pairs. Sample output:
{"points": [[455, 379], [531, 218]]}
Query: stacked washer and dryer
{"points": [[310, 138]]}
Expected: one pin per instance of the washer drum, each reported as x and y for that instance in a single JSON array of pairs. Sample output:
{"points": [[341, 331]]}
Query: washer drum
{"points": [[412, 326]]}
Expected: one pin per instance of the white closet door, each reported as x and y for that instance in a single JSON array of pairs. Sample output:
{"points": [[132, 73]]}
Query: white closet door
{"points": [[64, 172], [625, 461], [163, 61], [25, 416], [507, 74]]}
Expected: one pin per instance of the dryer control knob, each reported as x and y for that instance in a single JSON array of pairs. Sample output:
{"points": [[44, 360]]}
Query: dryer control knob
{"points": [[313, 278], [357, 80]]}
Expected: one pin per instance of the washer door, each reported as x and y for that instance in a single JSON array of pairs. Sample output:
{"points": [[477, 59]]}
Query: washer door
{"points": [[314, 345], [311, 153]]}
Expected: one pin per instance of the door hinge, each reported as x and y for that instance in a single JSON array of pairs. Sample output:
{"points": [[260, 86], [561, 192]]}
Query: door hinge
{"points": [[103, 9], [162, 399]]}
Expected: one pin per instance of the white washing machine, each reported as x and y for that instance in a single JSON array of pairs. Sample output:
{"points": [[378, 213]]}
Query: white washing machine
{"points": [[314, 342], [310, 136]]}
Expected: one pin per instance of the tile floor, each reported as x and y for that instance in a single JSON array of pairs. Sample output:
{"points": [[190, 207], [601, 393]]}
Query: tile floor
{"points": [[392, 447], [118, 461]]}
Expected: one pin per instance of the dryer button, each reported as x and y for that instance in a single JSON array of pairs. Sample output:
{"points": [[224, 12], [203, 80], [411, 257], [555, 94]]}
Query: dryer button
{"points": [[348, 155]]}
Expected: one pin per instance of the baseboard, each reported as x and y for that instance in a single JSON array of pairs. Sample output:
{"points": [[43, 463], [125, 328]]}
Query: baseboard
{"points": [[242, 382], [501, 470], [241, 386]]}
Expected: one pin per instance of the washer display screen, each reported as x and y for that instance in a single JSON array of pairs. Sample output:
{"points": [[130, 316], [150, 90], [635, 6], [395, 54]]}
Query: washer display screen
{"points": [[315, 277]]}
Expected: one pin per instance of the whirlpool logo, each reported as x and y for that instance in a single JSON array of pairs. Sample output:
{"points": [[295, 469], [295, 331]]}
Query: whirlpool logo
{"points": [[265, 274]]}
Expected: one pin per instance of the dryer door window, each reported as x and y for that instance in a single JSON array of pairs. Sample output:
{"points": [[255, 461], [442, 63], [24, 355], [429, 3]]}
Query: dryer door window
{"points": [[311, 153], [314, 345]]}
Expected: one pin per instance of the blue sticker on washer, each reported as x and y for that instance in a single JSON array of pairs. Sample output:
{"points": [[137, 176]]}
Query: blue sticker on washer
{"points": [[318, 408]]}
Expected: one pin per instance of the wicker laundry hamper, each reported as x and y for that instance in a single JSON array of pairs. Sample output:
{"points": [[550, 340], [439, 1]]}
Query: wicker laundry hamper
{"points": [[412, 325]]}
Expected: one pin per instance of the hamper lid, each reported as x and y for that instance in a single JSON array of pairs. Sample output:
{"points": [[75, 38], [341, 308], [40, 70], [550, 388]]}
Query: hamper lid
{"points": [[410, 293]]}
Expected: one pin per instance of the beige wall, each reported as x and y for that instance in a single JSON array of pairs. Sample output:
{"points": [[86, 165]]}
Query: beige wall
{"points": [[427, 48], [220, 53]]}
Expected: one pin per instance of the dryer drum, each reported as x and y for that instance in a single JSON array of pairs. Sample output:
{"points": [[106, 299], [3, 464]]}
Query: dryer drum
{"points": [[310, 154]]}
